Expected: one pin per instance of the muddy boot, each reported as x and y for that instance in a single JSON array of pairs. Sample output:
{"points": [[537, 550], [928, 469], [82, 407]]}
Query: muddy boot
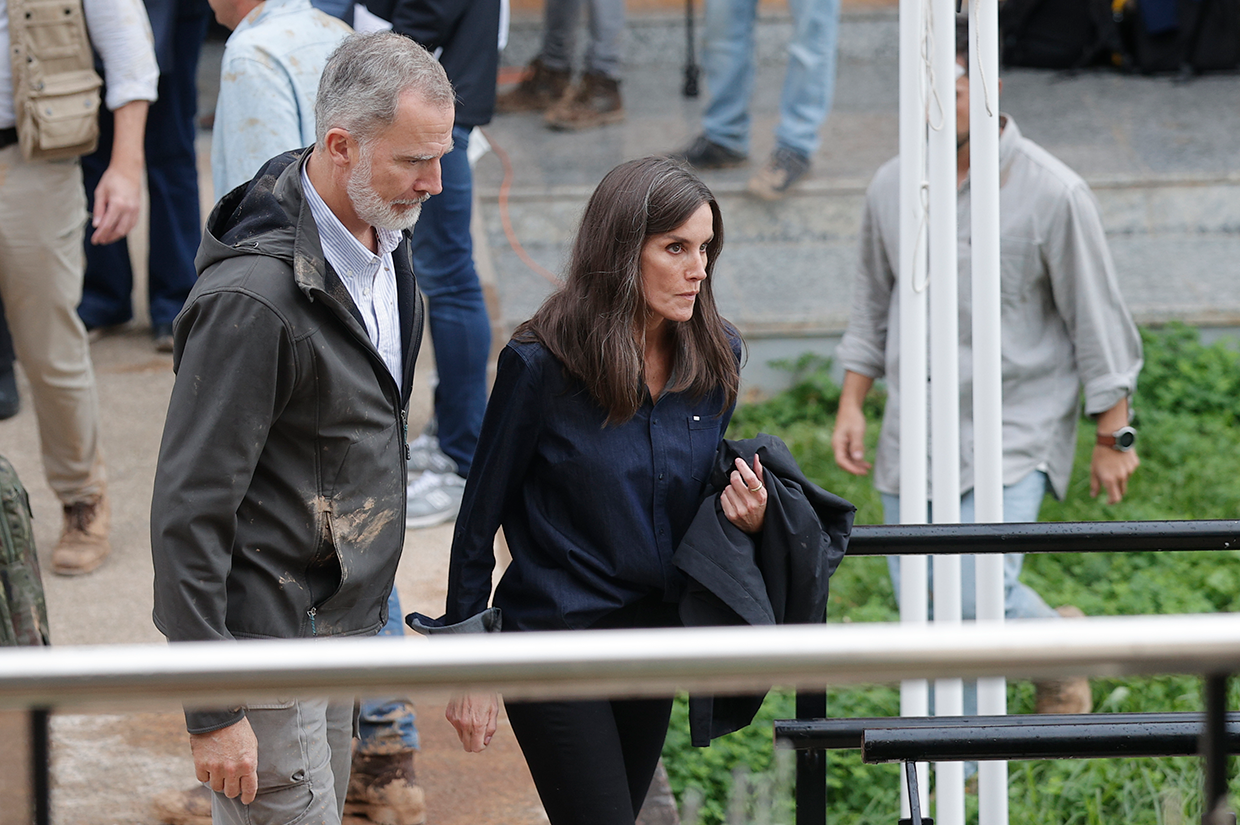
{"points": [[541, 88], [84, 541], [192, 807], [382, 789], [1064, 695], [594, 101]]}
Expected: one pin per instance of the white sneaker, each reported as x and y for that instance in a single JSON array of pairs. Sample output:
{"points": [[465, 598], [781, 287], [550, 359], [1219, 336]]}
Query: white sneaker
{"points": [[426, 457], [433, 499]]}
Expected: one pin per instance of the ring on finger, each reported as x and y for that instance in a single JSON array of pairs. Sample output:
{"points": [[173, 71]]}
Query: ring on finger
{"points": [[755, 489]]}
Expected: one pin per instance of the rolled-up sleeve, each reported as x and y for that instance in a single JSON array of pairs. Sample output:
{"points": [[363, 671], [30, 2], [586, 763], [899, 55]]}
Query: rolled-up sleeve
{"points": [[1086, 291], [121, 32], [863, 348]]}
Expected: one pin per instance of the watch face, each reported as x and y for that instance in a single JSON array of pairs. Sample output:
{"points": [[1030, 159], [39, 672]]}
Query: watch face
{"points": [[1125, 438]]}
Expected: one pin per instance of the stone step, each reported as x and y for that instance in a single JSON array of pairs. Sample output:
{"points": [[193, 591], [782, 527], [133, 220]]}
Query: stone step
{"points": [[1159, 155]]}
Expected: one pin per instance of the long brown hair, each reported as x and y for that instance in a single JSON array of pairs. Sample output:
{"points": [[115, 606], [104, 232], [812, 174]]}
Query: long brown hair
{"points": [[594, 322]]}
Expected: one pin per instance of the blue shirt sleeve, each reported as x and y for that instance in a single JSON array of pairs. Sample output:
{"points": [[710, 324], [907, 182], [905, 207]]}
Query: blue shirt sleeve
{"points": [[505, 446]]}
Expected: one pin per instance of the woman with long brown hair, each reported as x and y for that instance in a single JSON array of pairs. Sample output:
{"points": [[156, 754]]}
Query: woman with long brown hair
{"points": [[602, 428]]}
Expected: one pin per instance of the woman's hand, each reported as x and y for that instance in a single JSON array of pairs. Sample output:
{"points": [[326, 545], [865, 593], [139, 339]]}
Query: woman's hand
{"points": [[475, 716], [744, 499]]}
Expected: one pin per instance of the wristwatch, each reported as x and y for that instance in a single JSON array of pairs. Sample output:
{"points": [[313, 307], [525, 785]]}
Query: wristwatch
{"points": [[1123, 439]]}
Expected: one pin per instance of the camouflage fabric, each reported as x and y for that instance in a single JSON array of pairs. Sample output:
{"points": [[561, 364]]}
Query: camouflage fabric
{"points": [[23, 612]]}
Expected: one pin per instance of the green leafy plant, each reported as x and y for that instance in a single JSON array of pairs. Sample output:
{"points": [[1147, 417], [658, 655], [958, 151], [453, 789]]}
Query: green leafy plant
{"points": [[1188, 405]]}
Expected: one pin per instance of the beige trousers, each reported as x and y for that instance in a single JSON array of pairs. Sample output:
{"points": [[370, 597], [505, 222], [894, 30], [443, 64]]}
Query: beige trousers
{"points": [[42, 218]]}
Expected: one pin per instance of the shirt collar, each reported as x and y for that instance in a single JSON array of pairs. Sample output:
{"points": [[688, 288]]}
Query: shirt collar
{"points": [[353, 254]]}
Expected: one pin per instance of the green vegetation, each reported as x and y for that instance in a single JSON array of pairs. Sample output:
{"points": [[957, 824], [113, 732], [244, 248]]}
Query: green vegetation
{"points": [[1188, 406]]}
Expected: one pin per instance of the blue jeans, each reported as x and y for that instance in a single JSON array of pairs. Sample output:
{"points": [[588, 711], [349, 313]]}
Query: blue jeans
{"points": [[1021, 502], [388, 725], [443, 259], [809, 82], [172, 179]]}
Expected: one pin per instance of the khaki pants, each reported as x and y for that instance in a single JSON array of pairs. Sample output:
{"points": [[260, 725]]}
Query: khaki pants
{"points": [[42, 218], [304, 755]]}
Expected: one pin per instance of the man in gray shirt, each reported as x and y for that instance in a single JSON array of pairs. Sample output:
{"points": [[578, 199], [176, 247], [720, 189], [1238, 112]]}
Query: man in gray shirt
{"points": [[1064, 328]]}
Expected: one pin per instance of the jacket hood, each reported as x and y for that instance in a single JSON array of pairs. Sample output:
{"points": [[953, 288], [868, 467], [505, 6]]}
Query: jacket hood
{"points": [[268, 215]]}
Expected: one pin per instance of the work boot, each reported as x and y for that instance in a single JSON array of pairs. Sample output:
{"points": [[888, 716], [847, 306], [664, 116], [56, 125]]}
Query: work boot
{"points": [[593, 101], [1064, 695], [704, 153], [784, 169], [192, 807], [382, 789], [84, 542], [540, 89]]}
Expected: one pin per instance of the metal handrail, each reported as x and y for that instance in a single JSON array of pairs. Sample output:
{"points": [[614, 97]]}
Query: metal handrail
{"points": [[1045, 537], [617, 662]]}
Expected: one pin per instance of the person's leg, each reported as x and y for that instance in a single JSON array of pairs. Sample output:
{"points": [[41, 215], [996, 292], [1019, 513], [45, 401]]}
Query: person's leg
{"points": [[10, 399], [560, 33], [388, 725], [42, 217], [382, 785], [606, 30], [586, 770], [809, 82], [643, 729], [727, 57], [457, 314], [107, 284], [172, 177], [303, 764]]}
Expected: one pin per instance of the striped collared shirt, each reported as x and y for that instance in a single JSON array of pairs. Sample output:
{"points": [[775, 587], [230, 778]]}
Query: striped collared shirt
{"points": [[369, 278]]}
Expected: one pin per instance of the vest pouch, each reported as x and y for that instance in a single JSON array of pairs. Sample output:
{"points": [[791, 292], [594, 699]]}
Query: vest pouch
{"points": [[60, 119]]}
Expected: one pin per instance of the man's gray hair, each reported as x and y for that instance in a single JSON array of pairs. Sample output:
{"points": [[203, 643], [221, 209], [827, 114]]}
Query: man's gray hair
{"points": [[364, 79]]}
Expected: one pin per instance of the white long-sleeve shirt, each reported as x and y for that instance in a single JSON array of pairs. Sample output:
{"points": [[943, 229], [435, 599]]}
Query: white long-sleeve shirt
{"points": [[121, 33], [1064, 326]]}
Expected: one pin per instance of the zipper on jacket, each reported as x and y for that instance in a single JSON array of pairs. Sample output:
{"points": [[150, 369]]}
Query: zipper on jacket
{"points": [[404, 422], [312, 612]]}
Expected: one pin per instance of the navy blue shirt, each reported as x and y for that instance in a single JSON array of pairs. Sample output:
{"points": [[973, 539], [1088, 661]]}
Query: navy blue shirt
{"points": [[591, 513]]}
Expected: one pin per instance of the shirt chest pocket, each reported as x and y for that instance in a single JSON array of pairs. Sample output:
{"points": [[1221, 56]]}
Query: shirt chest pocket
{"points": [[703, 437]]}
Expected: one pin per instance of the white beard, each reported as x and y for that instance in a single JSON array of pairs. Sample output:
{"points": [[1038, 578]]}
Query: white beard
{"points": [[372, 208]]}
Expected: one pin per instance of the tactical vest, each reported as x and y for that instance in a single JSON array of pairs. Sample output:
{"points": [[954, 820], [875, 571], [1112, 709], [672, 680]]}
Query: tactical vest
{"points": [[55, 86]]}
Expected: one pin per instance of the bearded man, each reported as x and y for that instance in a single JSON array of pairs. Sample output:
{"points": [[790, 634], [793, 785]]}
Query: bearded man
{"points": [[280, 489]]}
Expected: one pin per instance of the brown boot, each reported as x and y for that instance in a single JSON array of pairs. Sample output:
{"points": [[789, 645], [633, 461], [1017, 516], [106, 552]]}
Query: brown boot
{"points": [[84, 543], [1064, 695], [382, 789], [594, 101], [540, 90], [192, 807]]}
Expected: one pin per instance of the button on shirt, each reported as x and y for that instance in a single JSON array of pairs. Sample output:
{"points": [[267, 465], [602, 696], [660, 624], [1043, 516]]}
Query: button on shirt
{"points": [[368, 277], [591, 512]]}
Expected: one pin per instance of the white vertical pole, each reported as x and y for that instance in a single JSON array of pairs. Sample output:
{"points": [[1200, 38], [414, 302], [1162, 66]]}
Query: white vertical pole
{"points": [[945, 374], [987, 361], [911, 286]]}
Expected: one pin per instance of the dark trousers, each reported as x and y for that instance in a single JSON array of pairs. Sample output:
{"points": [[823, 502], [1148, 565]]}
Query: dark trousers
{"points": [[6, 344], [592, 761], [172, 181]]}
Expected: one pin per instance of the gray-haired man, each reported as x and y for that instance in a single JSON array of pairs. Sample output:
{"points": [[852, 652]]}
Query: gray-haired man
{"points": [[280, 490]]}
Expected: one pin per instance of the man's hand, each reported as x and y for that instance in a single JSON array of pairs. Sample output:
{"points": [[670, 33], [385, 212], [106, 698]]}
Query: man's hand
{"points": [[848, 437], [848, 441], [118, 197], [227, 760], [475, 717], [1109, 470]]}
